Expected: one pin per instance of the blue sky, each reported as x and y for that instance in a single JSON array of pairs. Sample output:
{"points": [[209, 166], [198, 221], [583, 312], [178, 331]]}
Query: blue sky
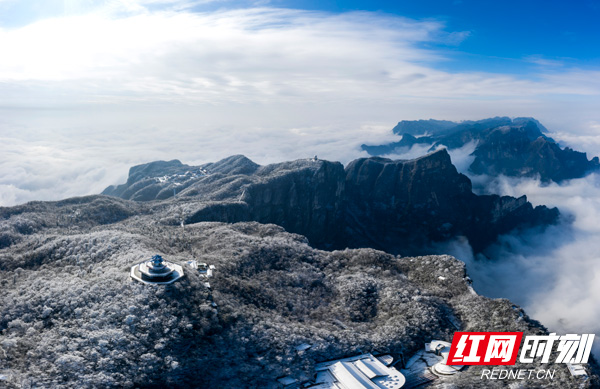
{"points": [[501, 36]]}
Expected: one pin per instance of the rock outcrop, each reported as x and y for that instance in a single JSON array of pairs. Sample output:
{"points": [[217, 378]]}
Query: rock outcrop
{"points": [[401, 206]]}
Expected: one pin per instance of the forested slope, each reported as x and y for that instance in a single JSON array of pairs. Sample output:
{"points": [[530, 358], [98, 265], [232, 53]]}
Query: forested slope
{"points": [[71, 317]]}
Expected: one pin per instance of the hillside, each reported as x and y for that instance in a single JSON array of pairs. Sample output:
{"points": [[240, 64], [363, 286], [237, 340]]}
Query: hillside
{"points": [[71, 317]]}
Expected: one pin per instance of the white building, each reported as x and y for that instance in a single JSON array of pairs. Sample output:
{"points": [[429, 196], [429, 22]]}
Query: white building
{"points": [[577, 369], [442, 349], [429, 364], [358, 372], [203, 268], [156, 271]]}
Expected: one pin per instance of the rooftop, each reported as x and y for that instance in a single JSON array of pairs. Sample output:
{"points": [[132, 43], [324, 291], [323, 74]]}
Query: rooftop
{"points": [[358, 372], [577, 369]]}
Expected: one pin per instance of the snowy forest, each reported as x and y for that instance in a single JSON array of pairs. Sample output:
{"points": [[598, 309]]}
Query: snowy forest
{"points": [[71, 317]]}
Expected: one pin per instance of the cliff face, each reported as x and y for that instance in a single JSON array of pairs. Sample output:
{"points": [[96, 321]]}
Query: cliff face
{"points": [[513, 147], [301, 196], [396, 206], [401, 206]]}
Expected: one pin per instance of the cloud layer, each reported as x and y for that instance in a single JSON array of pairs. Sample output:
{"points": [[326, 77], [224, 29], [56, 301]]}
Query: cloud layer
{"points": [[247, 56]]}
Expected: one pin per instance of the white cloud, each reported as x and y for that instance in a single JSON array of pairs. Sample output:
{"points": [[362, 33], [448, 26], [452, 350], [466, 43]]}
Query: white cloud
{"points": [[461, 157], [544, 62], [586, 139], [249, 55], [244, 55]]}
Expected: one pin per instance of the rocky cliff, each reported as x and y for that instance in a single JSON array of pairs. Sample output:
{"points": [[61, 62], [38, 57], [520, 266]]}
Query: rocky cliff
{"points": [[400, 206], [302, 196], [396, 206]]}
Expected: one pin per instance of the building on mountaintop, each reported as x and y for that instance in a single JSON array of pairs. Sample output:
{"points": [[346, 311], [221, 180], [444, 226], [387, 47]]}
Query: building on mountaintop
{"points": [[156, 271]]}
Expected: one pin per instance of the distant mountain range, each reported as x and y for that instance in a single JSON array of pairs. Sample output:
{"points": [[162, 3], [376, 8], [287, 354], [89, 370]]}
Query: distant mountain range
{"points": [[512, 147], [396, 206]]}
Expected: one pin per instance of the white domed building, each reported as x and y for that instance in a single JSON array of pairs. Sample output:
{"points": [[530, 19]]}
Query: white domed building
{"points": [[156, 271]]}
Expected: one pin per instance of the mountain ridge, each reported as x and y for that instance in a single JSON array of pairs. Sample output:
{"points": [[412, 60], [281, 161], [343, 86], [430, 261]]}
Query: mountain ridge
{"points": [[513, 147], [423, 200]]}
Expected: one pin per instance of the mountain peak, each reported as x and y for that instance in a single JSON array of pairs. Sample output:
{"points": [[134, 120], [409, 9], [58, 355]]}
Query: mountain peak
{"points": [[420, 127], [235, 164], [152, 169]]}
